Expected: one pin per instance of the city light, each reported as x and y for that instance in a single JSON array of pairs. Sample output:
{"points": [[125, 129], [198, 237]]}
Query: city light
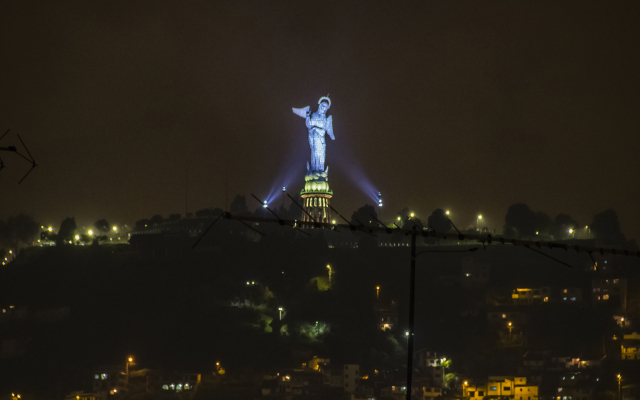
{"points": [[447, 212], [333, 221], [570, 230], [90, 232], [399, 218], [264, 204], [479, 216], [50, 229], [412, 215], [284, 188], [115, 228], [77, 237]]}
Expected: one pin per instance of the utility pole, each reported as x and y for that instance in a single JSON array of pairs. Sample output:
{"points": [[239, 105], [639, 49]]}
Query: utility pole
{"points": [[412, 301]]}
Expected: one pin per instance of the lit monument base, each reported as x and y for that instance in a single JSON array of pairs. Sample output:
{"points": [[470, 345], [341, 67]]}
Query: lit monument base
{"points": [[316, 197]]}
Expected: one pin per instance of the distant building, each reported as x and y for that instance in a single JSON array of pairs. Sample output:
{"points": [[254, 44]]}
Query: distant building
{"points": [[515, 388], [346, 377], [531, 296], [571, 295], [611, 291], [82, 396], [630, 346], [109, 379]]}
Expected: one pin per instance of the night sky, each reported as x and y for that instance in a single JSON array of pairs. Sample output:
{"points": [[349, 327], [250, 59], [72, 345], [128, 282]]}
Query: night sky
{"points": [[468, 106]]}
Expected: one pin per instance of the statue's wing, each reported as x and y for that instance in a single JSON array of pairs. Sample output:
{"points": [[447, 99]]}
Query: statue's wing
{"points": [[301, 112], [330, 127]]}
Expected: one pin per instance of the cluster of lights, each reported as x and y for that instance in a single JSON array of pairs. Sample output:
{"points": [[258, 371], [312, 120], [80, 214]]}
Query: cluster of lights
{"points": [[264, 204], [379, 199], [251, 283]]}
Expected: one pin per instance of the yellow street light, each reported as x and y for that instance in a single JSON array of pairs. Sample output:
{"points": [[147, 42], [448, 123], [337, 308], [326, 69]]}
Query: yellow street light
{"points": [[447, 212], [90, 232], [115, 228], [399, 218], [570, 230], [333, 221], [479, 216], [377, 291], [412, 215], [50, 229], [77, 237]]}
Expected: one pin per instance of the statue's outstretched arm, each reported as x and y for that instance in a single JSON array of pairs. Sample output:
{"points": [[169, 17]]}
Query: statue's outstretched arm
{"points": [[330, 127]]}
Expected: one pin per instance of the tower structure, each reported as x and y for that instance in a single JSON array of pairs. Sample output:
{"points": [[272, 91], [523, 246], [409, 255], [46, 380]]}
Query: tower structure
{"points": [[316, 197], [316, 194]]}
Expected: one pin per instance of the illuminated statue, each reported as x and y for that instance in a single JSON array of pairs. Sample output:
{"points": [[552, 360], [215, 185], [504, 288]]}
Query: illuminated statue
{"points": [[318, 124]]}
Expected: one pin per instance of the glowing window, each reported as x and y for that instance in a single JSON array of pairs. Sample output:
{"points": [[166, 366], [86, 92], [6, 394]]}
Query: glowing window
{"points": [[605, 297], [103, 376], [165, 387]]}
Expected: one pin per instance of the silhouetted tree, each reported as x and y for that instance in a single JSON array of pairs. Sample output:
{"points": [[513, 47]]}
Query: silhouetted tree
{"points": [[606, 227], [156, 220], [544, 224], [102, 225], [363, 216], [520, 221], [19, 229], [67, 231], [406, 218], [238, 205], [174, 217], [143, 223], [561, 225], [439, 221]]}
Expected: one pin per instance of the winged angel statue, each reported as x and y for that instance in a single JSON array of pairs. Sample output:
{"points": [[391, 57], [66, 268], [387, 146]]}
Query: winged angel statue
{"points": [[318, 124]]}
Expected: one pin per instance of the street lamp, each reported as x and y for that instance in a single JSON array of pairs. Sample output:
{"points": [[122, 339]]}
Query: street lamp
{"points": [[90, 232], [280, 309], [377, 291], [619, 379], [478, 221], [447, 212], [412, 215], [129, 362], [284, 189], [330, 272], [115, 228], [510, 327]]}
